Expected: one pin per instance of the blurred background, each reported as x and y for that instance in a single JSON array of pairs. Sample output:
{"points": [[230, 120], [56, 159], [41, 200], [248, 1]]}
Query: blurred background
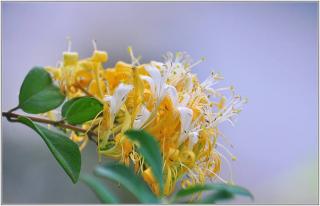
{"points": [[268, 51]]}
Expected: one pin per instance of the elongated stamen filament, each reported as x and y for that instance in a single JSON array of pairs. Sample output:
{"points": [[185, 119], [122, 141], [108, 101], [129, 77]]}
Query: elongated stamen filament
{"points": [[84, 143], [196, 63], [233, 157], [99, 125], [228, 163], [69, 44], [94, 44], [191, 172], [93, 122], [216, 175]]}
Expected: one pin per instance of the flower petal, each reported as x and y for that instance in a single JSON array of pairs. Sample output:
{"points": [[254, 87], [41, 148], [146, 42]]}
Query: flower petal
{"points": [[185, 101], [120, 95], [141, 118], [118, 98], [150, 82], [185, 120], [156, 77], [173, 94], [193, 139]]}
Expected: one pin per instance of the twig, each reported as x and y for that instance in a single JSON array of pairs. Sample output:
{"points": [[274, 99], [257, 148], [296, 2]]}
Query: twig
{"points": [[83, 90], [14, 109], [10, 115]]}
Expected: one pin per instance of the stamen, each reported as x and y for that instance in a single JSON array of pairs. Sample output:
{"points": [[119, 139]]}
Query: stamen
{"points": [[225, 139], [228, 163], [233, 157], [196, 63], [107, 87], [122, 153], [134, 60], [85, 142], [216, 175], [93, 122], [193, 175], [99, 125], [69, 44], [94, 43]]}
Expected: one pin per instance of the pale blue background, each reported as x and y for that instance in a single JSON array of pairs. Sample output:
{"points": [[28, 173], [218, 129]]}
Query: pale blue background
{"points": [[268, 51]]}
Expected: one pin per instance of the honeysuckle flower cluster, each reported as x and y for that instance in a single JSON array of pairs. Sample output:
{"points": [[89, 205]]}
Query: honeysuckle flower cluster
{"points": [[163, 98]]}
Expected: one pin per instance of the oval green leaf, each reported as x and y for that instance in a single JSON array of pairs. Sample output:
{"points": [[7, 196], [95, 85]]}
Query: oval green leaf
{"points": [[232, 189], [66, 106], [38, 94], [128, 179], [82, 110], [103, 194], [65, 151]]}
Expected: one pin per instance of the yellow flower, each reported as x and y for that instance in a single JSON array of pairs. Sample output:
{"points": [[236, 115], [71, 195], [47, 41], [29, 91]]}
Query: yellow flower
{"points": [[164, 98]]}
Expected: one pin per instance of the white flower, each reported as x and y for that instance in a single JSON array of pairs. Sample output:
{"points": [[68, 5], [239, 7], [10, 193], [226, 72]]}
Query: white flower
{"points": [[160, 89], [157, 82], [188, 130], [141, 118], [185, 120], [118, 98]]}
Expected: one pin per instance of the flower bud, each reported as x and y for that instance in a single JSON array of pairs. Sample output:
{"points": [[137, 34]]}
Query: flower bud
{"points": [[70, 58], [99, 56]]}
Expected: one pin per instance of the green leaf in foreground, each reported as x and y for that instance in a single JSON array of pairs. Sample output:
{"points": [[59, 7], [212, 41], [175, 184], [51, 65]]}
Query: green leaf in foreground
{"points": [[128, 179], [232, 189], [149, 148], [63, 149], [104, 195], [38, 94], [217, 196], [82, 110]]}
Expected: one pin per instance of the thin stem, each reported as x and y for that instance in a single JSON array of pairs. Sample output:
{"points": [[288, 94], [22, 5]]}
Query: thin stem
{"points": [[14, 109], [83, 90], [10, 116]]}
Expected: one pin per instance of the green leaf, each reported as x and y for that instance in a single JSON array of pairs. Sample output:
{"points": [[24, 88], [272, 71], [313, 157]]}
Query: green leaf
{"points": [[38, 94], [149, 148], [66, 106], [63, 149], [191, 190], [233, 189], [217, 196], [103, 194], [82, 110], [128, 179]]}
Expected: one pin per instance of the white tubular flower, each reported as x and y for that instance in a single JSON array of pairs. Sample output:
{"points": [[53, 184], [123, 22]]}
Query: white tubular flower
{"points": [[185, 120], [158, 88], [157, 82], [141, 118], [173, 94], [150, 82], [187, 129], [118, 98], [162, 89], [193, 138], [157, 64], [207, 84]]}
